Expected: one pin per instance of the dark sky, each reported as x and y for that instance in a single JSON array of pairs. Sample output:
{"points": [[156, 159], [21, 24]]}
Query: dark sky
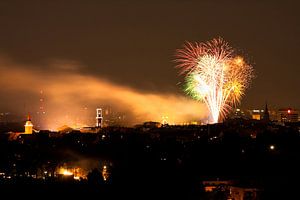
{"points": [[132, 43]]}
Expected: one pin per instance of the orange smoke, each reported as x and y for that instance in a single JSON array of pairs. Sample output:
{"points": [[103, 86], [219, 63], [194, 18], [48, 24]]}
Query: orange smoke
{"points": [[68, 93]]}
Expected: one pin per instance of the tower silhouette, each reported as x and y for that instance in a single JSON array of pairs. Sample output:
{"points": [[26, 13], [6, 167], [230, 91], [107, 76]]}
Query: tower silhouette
{"points": [[266, 116]]}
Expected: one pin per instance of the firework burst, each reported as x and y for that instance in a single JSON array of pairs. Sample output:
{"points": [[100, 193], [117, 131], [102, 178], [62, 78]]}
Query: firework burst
{"points": [[214, 74]]}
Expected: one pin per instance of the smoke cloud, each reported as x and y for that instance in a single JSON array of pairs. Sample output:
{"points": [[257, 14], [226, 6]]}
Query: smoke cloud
{"points": [[71, 97]]}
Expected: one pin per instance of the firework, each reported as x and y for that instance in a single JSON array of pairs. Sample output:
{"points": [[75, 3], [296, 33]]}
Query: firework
{"points": [[214, 74]]}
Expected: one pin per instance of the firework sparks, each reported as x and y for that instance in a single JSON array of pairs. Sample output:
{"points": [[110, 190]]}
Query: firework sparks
{"points": [[214, 74]]}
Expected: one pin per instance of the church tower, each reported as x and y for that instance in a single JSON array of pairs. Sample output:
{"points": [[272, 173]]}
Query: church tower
{"points": [[266, 116], [28, 126]]}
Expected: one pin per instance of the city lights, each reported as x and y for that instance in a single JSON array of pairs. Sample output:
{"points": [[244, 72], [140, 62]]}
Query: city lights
{"points": [[105, 173], [65, 172], [150, 100]]}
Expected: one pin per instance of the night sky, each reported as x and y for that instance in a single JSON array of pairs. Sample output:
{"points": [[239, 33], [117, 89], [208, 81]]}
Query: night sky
{"points": [[132, 43]]}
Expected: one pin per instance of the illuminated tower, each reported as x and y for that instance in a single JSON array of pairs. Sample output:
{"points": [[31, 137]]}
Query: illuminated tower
{"points": [[99, 117], [28, 126]]}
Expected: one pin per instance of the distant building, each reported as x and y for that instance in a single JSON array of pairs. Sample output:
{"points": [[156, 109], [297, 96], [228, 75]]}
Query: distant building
{"points": [[256, 114], [239, 193], [89, 129], [65, 129], [99, 118], [210, 186], [232, 192], [28, 126], [266, 116], [288, 115], [151, 124], [239, 113], [146, 126]]}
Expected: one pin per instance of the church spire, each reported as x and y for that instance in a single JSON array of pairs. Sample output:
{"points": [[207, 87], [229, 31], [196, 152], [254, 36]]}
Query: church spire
{"points": [[266, 116]]}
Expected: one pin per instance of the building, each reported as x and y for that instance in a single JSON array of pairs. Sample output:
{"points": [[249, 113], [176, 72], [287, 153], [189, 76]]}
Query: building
{"points": [[210, 186], [88, 129], [266, 116], [231, 191], [99, 118], [28, 126], [238, 114], [240, 193], [256, 114], [288, 115]]}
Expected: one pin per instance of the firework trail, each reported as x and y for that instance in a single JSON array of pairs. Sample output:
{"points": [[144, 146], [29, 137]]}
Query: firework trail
{"points": [[214, 74]]}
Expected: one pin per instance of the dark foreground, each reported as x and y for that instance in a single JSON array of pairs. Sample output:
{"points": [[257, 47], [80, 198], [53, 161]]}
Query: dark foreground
{"points": [[156, 163]]}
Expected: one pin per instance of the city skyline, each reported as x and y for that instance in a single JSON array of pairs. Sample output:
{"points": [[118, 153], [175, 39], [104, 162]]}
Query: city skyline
{"points": [[173, 99], [78, 59], [119, 42]]}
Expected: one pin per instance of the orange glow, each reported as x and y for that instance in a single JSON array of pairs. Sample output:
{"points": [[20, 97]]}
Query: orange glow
{"points": [[289, 111], [65, 172], [209, 188], [256, 116], [77, 172]]}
